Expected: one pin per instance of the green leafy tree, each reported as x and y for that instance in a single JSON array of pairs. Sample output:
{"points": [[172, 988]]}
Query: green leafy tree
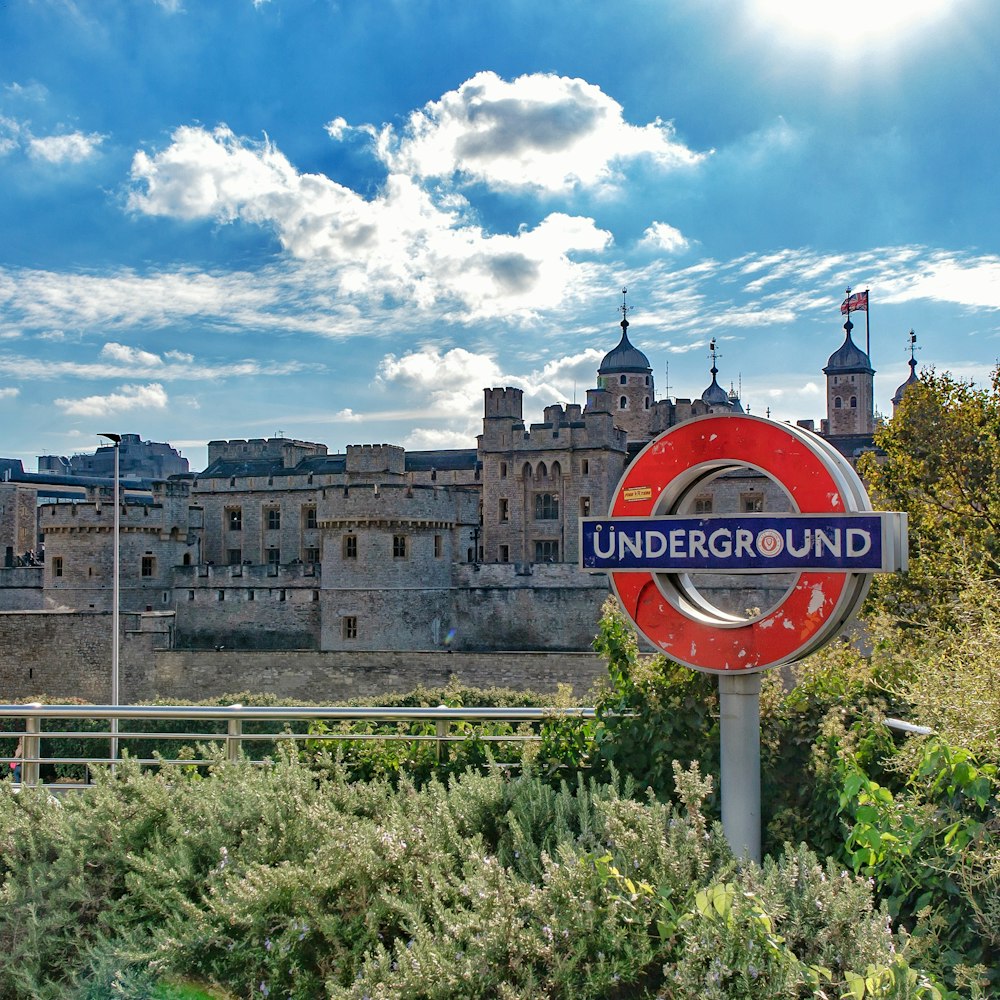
{"points": [[942, 466]]}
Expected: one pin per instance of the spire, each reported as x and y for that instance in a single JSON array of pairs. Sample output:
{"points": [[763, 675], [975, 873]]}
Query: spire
{"points": [[625, 357], [898, 395], [715, 395]]}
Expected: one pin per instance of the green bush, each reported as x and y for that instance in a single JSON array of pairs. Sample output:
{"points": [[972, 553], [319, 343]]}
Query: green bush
{"points": [[289, 881]]}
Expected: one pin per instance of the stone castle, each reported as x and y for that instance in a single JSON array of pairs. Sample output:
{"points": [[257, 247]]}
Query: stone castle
{"points": [[279, 545]]}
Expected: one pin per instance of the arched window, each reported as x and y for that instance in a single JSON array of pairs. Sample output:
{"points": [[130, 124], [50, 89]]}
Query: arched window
{"points": [[526, 471], [854, 402], [647, 380], [647, 402], [838, 403], [541, 472], [556, 470], [623, 403], [622, 380]]}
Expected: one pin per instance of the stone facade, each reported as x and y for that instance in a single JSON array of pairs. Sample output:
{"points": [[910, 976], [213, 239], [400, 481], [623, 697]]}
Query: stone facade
{"points": [[278, 545]]}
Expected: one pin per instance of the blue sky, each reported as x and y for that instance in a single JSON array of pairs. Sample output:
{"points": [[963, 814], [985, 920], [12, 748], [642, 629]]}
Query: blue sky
{"points": [[341, 221]]}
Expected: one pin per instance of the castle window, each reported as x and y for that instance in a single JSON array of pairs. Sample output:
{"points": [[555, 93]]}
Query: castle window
{"points": [[751, 503], [350, 546], [399, 546], [584, 466], [220, 595], [438, 547], [503, 470], [838, 403], [584, 506], [315, 596], [57, 566], [234, 518], [250, 595], [647, 380], [854, 402], [234, 557], [309, 516], [349, 627], [311, 555], [504, 553], [190, 595], [546, 507], [622, 380], [273, 556], [504, 509], [623, 403], [148, 566], [546, 551], [186, 561], [647, 402], [703, 505], [282, 595], [273, 519]]}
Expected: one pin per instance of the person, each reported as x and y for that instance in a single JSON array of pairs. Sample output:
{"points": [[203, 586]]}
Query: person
{"points": [[15, 764]]}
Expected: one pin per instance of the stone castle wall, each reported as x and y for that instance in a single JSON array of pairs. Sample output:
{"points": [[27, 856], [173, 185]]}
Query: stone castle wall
{"points": [[333, 678], [60, 656], [65, 655]]}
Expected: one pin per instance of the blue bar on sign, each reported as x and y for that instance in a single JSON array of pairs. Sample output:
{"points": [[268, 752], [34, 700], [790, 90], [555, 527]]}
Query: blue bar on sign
{"points": [[733, 544]]}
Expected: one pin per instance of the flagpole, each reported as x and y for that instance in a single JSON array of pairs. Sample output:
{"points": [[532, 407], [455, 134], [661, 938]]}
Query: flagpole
{"points": [[868, 325]]}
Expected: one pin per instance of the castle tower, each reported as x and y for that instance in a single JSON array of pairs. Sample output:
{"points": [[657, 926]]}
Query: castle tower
{"points": [[625, 374], [715, 397], [850, 389], [901, 391]]}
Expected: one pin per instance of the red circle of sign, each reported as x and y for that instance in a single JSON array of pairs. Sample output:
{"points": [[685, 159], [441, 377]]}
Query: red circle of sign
{"points": [[788, 628]]}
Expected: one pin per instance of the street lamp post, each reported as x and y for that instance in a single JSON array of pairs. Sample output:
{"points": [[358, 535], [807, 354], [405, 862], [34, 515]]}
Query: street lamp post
{"points": [[116, 440]]}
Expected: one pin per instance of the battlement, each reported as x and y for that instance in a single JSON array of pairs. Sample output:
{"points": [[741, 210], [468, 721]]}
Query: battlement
{"points": [[367, 458], [289, 451], [503, 403]]}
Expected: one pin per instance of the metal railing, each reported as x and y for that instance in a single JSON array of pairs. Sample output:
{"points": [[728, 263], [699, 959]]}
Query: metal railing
{"points": [[444, 719]]}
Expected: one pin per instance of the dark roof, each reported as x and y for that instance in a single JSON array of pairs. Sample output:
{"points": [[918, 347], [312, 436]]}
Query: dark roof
{"points": [[444, 460], [11, 465], [715, 395], [624, 358], [898, 396], [452, 460], [852, 445], [848, 357], [223, 468]]}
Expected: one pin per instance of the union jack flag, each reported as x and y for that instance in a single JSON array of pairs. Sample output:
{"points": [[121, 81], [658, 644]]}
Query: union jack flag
{"points": [[858, 302]]}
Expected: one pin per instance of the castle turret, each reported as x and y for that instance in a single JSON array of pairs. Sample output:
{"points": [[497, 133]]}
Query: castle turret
{"points": [[625, 374], [850, 396], [901, 391]]}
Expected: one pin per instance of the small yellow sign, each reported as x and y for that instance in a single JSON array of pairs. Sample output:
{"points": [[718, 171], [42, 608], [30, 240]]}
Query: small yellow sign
{"points": [[638, 493]]}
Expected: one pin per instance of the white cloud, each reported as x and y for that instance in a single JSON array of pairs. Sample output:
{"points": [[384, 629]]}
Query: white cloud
{"points": [[452, 382], [130, 365], [538, 131], [73, 147], [9, 393], [403, 243], [347, 416], [945, 278], [435, 439], [128, 397], [662, 236], [130, 355]]}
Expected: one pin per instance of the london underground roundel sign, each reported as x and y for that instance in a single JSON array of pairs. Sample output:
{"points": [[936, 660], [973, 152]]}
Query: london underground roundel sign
{"points": [[654, 550]]}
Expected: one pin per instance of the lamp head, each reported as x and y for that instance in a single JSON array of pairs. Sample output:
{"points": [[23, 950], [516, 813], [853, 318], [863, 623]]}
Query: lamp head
{"points": [[115, 438]]}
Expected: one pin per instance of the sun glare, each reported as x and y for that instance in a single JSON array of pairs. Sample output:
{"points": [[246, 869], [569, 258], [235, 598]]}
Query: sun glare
{"points": [[842, 24]]}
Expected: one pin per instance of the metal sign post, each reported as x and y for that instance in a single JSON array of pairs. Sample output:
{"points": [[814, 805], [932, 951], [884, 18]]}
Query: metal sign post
{"points": [[654, 553]]}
